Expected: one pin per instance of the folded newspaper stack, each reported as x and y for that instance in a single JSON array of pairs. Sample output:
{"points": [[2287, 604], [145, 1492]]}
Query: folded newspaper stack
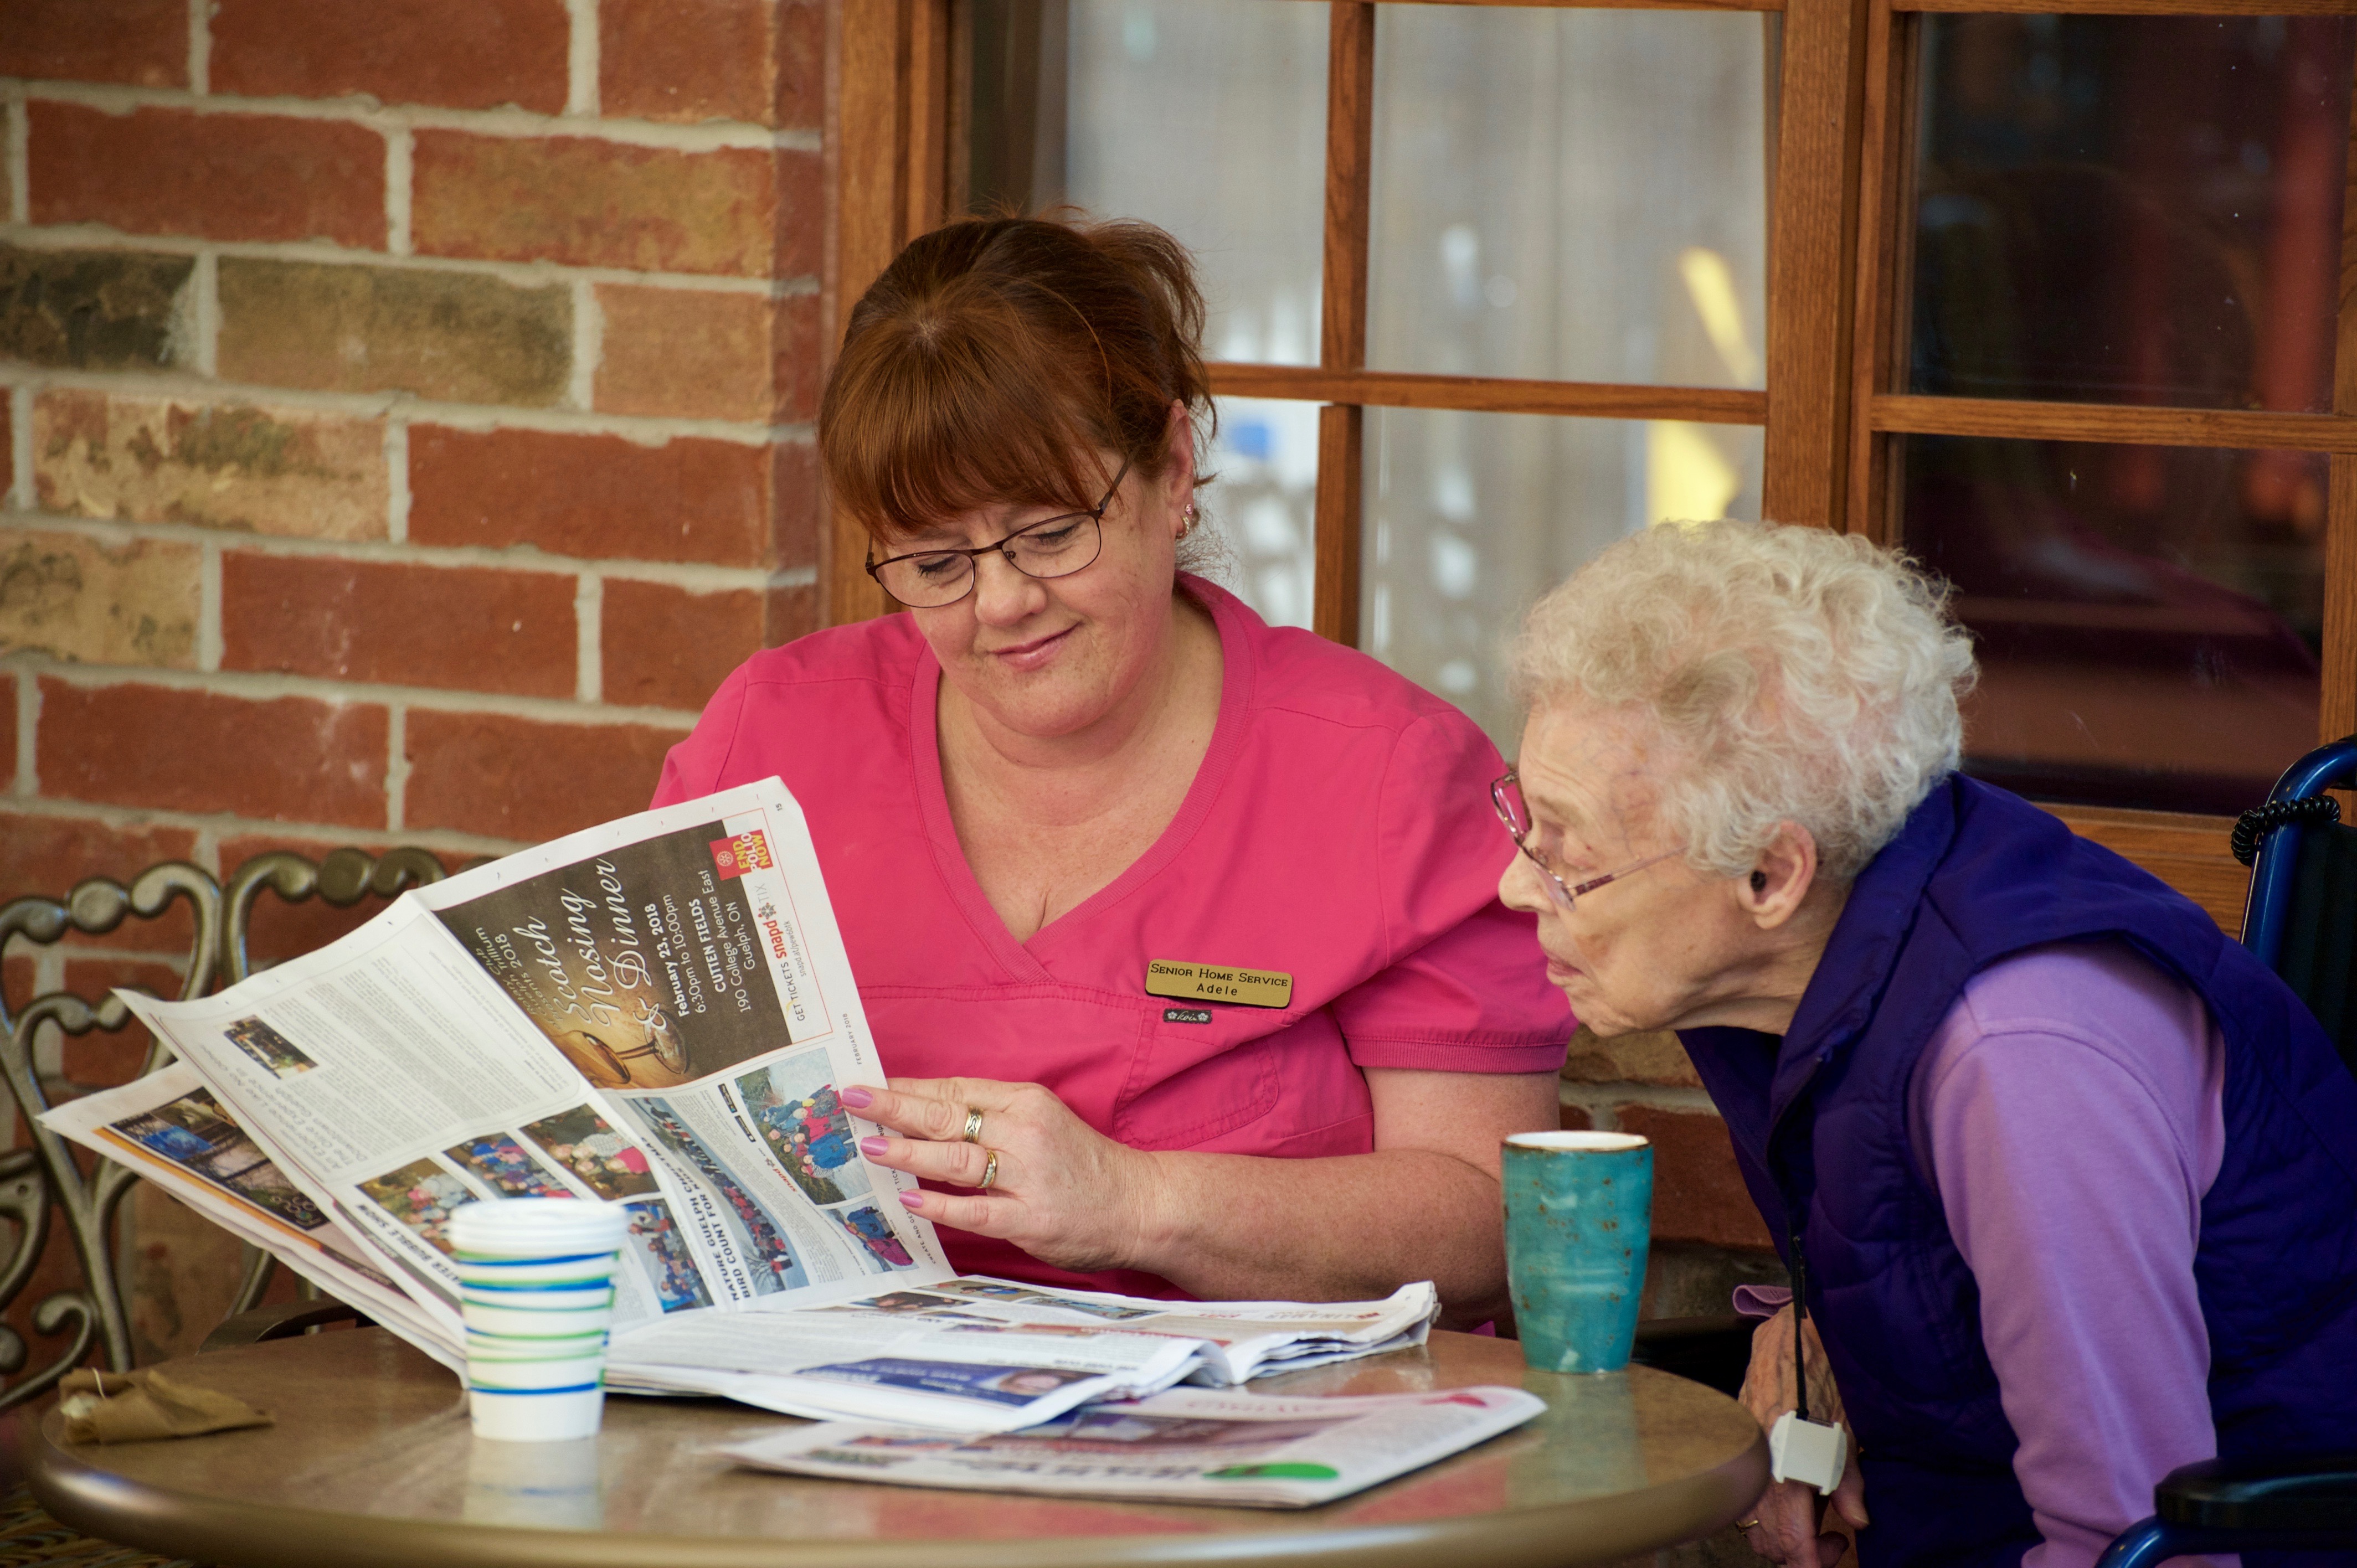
{"points": [[657, 1013], [1189, 1445]]}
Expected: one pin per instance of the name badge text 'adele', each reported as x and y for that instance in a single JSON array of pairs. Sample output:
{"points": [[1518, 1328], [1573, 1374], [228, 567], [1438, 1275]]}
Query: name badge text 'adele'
{"points": [[1216, 983]]}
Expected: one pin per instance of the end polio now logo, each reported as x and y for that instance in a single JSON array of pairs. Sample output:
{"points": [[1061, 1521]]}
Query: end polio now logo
{"points": [[746, 851]]}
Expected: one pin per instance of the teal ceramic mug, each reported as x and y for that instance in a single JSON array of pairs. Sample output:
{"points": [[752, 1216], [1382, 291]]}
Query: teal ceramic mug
{"points": [[1579, 1218]]}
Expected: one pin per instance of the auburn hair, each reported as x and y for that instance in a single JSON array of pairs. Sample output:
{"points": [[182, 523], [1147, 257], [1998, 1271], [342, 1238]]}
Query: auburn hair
{"points": [[998, 357]]}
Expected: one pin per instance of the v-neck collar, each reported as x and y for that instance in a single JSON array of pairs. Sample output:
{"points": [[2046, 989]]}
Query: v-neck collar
{"points": [[1021, 961]]}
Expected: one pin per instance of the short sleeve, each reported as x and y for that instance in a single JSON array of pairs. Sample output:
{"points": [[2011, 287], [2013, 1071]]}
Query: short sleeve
{"points": [[1465, 986], [694, 767]]}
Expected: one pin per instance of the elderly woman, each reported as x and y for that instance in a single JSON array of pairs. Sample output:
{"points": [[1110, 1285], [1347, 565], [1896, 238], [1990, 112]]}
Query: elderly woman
{"points": [[1178, 933], [2072, 1179]]}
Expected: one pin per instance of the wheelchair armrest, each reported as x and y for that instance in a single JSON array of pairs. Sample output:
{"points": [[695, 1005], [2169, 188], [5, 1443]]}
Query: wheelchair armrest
{"points": [[1715, 1351], [284, 1321], [2305, 1493]]}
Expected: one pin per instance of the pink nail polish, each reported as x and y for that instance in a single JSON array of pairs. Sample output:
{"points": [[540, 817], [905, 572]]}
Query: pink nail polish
{"points": [[912, 1199], [857, 1099], [872, 1147]]}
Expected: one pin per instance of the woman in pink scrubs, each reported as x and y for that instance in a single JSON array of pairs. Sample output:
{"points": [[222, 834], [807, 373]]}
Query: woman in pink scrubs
{"points": [[1076, 790]]}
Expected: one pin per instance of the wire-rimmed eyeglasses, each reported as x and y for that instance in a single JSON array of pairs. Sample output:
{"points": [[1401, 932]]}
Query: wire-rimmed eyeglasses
{"points": [[1053, 547], [1506, 795]]}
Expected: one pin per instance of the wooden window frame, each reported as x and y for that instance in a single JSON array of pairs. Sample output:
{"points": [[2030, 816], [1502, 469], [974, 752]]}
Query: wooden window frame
{"points": [[2188, 851], [1836, 248]]}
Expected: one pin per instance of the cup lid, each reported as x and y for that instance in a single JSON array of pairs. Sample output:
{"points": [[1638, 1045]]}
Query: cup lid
{"points": [[1595, 1142], [526, 1226]]}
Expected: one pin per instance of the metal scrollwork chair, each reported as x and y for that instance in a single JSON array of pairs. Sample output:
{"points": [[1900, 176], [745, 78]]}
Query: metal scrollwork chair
{"points": [[42, 1184]]}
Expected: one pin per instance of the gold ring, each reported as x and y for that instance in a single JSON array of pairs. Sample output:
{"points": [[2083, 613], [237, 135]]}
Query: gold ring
{"points": [[1747, 1524], [973, 1133], [989, 1171]]}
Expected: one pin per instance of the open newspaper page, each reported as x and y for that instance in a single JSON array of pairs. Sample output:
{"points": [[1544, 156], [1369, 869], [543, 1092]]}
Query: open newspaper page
{"points": [[1188, 1446], [657, 1012], [686, 963], [974, 1354], [169, 1128]]}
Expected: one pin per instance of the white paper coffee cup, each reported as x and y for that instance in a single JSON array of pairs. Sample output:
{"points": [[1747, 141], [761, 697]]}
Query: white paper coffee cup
{"points": [[537, 1282]]}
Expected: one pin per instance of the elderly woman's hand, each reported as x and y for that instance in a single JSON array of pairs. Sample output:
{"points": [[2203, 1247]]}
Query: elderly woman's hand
{"points": [[1788, 1528], [1063, 1192]]}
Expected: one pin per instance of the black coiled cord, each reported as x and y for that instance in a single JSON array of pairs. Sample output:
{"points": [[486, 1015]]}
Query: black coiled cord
{"points": [[2258, 822]]}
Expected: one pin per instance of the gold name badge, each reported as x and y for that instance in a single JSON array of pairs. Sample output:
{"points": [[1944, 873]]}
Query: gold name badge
{"points": [[1213, 982]]}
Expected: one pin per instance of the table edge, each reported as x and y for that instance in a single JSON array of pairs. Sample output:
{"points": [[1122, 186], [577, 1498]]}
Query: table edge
{"points": [[266, 1535]]}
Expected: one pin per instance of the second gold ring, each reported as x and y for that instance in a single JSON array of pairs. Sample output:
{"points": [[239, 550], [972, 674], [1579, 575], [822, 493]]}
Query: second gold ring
{"points": [[989, 1171]]}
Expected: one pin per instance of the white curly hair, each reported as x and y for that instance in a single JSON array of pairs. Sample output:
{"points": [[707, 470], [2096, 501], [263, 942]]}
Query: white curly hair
{"points": [[1797, 674]]}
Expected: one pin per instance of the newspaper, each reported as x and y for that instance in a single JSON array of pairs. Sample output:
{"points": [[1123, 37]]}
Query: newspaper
{"points": [[656, 1013], [975, 1353], [1188, 1446]]}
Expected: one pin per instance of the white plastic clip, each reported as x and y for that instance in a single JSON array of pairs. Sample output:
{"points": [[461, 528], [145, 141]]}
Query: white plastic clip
{"points": [[1807, 1451]]}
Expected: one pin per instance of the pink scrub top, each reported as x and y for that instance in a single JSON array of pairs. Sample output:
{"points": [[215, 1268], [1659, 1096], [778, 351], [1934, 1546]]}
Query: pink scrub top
{"points": [[1338, 831]]}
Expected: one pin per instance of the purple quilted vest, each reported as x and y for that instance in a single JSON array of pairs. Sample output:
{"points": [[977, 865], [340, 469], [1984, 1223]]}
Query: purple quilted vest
{"points": [[1819, 1122]]}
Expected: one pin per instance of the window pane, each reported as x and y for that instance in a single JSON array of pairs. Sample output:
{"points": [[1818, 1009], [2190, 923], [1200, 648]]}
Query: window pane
{"points": [[2147, 636], [2131, 208], [1576, 194], [1205, 116], [1471, 516], [1264, 505]]}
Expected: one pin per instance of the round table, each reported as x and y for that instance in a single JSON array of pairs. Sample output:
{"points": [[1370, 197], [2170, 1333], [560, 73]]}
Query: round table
{"points": [[371, 1465]]}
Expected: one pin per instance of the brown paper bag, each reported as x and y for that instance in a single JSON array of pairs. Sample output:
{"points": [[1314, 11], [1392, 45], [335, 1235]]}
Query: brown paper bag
{"points": [[137, 1407]]}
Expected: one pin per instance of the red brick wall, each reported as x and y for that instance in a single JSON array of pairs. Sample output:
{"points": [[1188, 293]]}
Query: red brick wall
{"points": [[1707, 1236], [404, 420], [406, 408]]}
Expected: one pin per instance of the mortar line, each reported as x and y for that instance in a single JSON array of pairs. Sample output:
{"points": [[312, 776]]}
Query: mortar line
{"points": [[1648, 1096], [588, 624], [205, 285], [696, 577], [588, 346], [515, 125], [49, 976], [29, 729], [20, 158], [397, 763], [1599, 1116], [581, 59], [230, 824], [79, 945], [396, 481], [209, 607], [206, 853], [200, 47], [400, 149], [22, 492], [522, 274], [644, 430], [261, 686]]}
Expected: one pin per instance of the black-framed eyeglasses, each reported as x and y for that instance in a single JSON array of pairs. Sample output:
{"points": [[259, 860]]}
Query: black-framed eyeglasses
{"points": [[1506, 795], [1052, 547]]}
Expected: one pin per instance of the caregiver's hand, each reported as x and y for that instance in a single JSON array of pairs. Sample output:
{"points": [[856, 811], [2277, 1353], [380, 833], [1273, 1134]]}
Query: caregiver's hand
{"points": [[1063, 1192], [1788, 1531]]}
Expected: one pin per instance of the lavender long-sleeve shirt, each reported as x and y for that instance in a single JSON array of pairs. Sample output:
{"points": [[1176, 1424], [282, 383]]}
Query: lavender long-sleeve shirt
{"points": [[2069, 1112]]}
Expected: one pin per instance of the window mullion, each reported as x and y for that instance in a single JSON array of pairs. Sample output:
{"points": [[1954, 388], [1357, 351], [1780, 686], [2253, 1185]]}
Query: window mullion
{"points": [[1350, 143], [2337, 712], [1810, 252]]}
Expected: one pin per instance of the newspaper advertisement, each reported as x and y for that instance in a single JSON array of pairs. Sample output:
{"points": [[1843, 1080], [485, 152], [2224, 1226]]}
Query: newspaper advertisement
{"points": [[656, 1015], [169, 1128], [1187, 1446]]}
